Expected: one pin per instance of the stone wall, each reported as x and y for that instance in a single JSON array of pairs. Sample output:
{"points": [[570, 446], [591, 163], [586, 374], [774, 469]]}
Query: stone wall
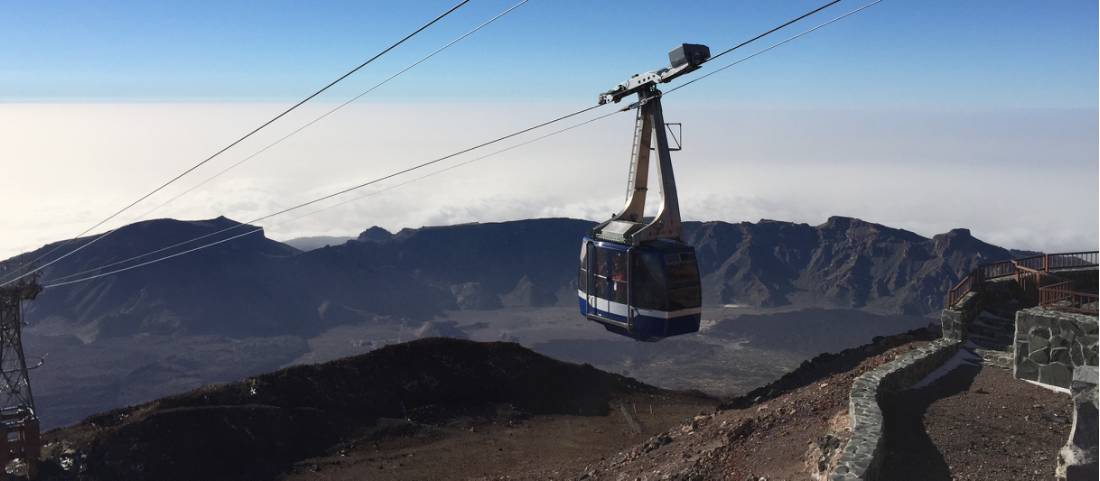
{"points": [[954, 319], [1050, 344], [1077, 461], [862, 456]]}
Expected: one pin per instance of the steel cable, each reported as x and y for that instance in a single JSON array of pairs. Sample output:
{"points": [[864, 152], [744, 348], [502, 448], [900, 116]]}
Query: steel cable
{"points": [[440, 159], [215, 155]]}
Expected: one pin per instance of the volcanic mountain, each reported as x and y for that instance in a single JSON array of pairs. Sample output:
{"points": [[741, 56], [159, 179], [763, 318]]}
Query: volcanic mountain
{"points": [[256, 286], [844, 262]]}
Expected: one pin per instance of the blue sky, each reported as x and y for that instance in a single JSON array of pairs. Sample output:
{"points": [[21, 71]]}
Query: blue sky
{"points": [[936, 53], [915, 114]]}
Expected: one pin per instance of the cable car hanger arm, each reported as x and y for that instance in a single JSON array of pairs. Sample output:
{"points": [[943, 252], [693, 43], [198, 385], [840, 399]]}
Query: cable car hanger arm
{"points": [[685, 59], [629, 226]]}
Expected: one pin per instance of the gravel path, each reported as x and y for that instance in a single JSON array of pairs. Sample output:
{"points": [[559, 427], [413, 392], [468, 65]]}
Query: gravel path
{"points": [[976, 423]]}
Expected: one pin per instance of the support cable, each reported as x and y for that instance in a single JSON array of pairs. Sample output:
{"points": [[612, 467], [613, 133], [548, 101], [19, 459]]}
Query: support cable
{"points": [[440, 159], [68, 279], [775, 45], [402, 171], [216, 154], [776, 29], [331, 111]]}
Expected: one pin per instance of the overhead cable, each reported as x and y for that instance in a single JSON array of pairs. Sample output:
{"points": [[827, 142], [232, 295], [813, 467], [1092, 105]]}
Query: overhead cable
{"points": [[69, 279], [192, 168], [440, 159], [390, 175], [774, 45], [773, 30], [332, 111]]}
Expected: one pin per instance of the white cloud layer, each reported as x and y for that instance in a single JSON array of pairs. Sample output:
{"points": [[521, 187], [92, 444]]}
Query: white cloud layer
{"points": [[1018, 178]]}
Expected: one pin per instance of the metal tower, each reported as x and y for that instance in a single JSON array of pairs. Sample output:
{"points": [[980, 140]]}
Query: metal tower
{"points": [[19, 431]]}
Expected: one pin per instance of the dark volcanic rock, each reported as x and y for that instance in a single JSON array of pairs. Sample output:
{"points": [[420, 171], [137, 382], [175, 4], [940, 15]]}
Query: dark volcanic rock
{"points": [[375, 234], [537, 255], [226, 289], [844, 262], [256, 428]]}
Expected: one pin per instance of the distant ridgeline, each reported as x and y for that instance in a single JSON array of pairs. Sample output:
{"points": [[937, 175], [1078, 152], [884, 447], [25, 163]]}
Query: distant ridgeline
{"points": [[256, 286]]}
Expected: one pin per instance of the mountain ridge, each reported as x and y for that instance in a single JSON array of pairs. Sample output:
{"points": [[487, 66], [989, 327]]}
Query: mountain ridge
{"points": [[257, 286]]}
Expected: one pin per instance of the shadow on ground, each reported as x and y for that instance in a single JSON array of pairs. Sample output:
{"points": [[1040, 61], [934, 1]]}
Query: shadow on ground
{"points": [[911, 454]]}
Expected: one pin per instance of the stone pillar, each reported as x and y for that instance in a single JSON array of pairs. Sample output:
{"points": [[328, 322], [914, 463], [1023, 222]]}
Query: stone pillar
{"points": [[1077, 461], [954, 319]]}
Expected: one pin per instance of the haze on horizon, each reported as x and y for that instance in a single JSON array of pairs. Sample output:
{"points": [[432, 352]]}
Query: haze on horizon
{"points": [[947, 114]]}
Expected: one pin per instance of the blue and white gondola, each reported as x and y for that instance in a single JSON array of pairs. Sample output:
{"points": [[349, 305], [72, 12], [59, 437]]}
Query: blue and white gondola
{"points": [[647, 292], [637, 277]]}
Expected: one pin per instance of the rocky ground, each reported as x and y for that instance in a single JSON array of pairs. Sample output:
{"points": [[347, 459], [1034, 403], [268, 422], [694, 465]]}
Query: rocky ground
{"points": [[794, 435], [789, 429], [506, 447], [412, 394], [977, 423], [537, 419]]}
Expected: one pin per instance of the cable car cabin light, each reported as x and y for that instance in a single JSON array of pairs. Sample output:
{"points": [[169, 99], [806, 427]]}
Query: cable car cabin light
{"points": [[636, 276], [648, 292]]}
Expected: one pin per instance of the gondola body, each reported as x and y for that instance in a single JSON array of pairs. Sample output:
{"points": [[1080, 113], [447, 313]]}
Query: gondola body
{"points": [[637, 277], [648, 291]]}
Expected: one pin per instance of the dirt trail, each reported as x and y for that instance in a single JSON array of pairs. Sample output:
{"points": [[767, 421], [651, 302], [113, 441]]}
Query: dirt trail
{"points": [[976, 423]]}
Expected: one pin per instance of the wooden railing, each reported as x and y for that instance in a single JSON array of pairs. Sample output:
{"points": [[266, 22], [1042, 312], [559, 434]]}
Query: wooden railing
{"points": [[960, 289], [1029, 278], [1062, 296], [1070, 260], [997, 269], [1035, 272]]}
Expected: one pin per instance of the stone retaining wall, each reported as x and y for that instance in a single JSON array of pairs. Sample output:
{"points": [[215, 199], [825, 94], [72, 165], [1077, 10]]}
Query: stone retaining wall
{"points": [[1050, 344], [1077, 461], [862, 456], [954, 319]]}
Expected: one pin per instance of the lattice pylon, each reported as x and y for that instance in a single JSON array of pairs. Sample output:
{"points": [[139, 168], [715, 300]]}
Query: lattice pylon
{"points": [[19, 428]]}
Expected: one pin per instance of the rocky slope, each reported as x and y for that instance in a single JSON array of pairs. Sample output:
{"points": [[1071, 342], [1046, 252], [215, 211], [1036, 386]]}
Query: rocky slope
{"points": [[225, 289], [844, 262], [258, 427], [420, 410], [440, 409], [258, 287]]}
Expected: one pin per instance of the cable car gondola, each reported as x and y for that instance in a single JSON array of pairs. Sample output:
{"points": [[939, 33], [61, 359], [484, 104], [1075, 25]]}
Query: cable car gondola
{"points": [[637, 277]]}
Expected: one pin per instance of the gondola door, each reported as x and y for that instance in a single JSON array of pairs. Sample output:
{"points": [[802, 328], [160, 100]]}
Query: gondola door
{"points": [[590, 288], [629, 285], [604, 277]]}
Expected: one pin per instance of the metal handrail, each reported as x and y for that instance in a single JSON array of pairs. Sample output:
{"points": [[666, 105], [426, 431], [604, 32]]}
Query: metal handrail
{"points": [[1033, 269], [1062, 296]]}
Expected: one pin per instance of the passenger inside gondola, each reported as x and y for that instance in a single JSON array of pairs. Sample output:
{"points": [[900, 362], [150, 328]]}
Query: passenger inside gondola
{"points": [[618, 268]]}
